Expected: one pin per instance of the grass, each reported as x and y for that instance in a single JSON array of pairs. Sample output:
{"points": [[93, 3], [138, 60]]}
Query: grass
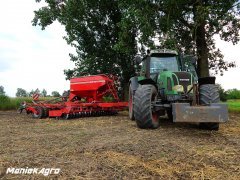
{"points": [[234, 105], [8, 103]]}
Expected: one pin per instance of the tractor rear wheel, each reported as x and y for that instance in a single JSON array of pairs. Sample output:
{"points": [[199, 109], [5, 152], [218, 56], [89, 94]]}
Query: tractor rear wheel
{"points": [[130, 103], [208, 93], [39, 114], [144, 115]]}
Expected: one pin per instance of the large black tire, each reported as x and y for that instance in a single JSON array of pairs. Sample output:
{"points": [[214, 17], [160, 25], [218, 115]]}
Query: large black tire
{"points": [[130, 103], [144, 116], [39, 114], [208, 93], [169, 114]]}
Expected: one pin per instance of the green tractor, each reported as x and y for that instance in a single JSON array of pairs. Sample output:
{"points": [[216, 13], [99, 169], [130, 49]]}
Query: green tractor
{"points": [[167, 83]]}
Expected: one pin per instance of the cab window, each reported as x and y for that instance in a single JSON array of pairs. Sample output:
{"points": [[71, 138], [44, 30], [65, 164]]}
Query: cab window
{"points": [[158, 64]]}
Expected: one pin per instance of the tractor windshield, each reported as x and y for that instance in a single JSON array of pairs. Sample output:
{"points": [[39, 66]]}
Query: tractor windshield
{"points": [[158, 64]]}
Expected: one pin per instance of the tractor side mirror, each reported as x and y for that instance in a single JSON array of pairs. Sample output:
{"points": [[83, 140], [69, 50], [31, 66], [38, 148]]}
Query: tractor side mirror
{"points": [[137, 60]]}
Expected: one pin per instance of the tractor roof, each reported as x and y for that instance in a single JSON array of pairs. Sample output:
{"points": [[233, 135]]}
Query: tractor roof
{"points": [[162, 51]]}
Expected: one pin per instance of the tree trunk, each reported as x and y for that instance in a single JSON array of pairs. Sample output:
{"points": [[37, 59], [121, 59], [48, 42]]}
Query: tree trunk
{"points": [[200, 38], [127, 74], [202, 51]]}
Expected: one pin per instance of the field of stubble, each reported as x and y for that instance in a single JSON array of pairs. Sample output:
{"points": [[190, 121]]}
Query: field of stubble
{"points": [[112, 147]]}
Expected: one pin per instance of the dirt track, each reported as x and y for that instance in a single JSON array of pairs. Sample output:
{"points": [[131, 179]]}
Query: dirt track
{"points": [[114, 148]]}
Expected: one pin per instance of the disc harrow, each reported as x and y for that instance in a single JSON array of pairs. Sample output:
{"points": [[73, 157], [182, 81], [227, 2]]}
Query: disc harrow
{"points": [[88, 96], [88, 114]]}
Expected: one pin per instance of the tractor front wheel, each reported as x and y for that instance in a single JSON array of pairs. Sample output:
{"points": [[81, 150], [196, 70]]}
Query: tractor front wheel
{"points": [[144, 115], [130, 103], [209, 94]]}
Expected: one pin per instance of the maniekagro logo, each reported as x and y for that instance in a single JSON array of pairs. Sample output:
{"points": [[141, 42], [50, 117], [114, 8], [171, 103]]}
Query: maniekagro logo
{"points": [[29, 171]]}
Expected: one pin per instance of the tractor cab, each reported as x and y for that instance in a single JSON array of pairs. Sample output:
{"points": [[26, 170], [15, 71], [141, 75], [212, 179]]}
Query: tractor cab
{"points": [[158, 61], [172, 74]]}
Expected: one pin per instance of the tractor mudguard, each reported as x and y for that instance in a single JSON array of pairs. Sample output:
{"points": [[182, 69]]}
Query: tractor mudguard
{"points": [[134, 83], [206, 80], [148, 81], [215, 113]]}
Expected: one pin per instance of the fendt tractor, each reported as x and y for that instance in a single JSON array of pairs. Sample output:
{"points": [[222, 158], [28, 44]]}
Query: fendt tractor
{"points": [[168, 84]]}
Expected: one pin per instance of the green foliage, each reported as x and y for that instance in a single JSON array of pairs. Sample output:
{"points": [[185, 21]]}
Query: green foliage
{"points": [[230, 94], [37, 91], [93, 29], [2, 92], [31, 93], [21, 92], [107, 34], [108, 99], [7, 103], [66, 93], [222, 93], [187, 26], [233, 94], [55, 94], [44, 93]]}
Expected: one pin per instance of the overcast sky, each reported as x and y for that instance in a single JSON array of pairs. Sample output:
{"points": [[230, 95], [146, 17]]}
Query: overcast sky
{"points": [[31, 58]]}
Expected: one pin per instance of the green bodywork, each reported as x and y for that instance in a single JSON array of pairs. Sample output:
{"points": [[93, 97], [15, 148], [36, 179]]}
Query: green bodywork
{"points": [[162, 82]]}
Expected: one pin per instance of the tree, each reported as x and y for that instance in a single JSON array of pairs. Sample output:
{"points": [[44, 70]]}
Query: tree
{"points": [[55, 94], [21, 92], [93, 29], [107, 34], [233, 94], [222, 93], [36, 91], [44, 93], [31, 93], [66, 93], [2, 92], [187, 26]]}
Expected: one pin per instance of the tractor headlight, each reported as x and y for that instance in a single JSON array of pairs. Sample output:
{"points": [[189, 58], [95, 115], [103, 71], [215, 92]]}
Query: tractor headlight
{"points": [[189, 87], [178, 88]]}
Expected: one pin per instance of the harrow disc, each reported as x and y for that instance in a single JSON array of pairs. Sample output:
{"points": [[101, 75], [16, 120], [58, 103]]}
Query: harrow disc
{"points": [[65, 116]]}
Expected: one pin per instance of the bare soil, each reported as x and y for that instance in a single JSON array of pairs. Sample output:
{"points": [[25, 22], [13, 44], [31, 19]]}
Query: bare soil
{"points": [[112, 147]]}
